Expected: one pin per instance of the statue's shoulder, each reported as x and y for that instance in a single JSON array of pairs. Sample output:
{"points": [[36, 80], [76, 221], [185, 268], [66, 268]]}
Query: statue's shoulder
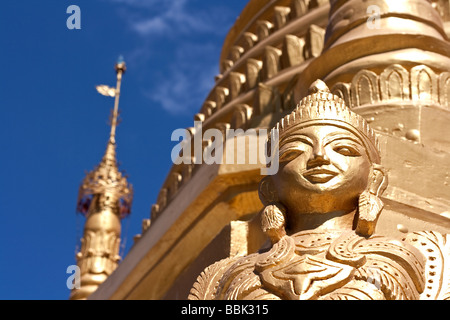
{"points": [[435, 247], [207, 283], [231, 279], [228, 278]]}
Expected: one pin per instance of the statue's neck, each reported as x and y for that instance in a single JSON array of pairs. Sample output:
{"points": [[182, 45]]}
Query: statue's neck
{"points": [[336, 220]]}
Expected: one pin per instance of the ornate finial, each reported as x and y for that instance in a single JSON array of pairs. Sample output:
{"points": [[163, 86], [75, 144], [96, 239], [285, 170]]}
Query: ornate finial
{"points": [[120, 65], [114, 92], [318, 86], [104, 197], [120, 69], [106, 177]]}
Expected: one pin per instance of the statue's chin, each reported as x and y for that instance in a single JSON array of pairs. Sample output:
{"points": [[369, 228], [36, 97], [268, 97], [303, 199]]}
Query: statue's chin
{"points": [[322, 198]]}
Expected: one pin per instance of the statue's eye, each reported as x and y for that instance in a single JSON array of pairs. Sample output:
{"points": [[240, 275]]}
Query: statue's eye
{"points": [[347, 151], [290, 155]]}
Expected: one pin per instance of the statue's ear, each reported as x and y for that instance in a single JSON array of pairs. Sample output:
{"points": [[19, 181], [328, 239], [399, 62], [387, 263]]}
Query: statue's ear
{"points": [[370, 204], [267, 192]]}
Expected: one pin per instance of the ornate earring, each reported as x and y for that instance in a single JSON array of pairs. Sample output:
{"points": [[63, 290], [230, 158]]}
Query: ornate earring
{"points": [[273, 222], [370, 204], [273, 216]]}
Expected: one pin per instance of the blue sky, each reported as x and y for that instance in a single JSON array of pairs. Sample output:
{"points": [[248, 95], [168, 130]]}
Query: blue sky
{"points": [[55, 125]]}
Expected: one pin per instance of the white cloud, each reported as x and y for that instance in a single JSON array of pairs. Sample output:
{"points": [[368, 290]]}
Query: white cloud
{"points": [[172, 33], [155, 25], [158, 17], [185, 86]]}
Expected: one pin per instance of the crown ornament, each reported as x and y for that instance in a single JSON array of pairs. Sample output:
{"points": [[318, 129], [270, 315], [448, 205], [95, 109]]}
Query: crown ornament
{"points": [[106, 179]]}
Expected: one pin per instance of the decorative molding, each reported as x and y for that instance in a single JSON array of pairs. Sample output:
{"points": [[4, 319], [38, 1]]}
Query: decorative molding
{"points": [[241, 116], [264, 29], [281, 16], [298, 9], [396, 83], [271, 62], [252, 72], [261, 29], [314, 42], [292, 49], [236, 81], [424, 84], [364, 88]]}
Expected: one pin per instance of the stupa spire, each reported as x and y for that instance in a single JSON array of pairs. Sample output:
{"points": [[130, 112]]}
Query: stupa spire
{"points": [[104, 198]]}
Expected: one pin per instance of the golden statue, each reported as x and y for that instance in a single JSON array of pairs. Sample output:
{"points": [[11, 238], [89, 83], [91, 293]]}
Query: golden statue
{"points": [[320, 212]]}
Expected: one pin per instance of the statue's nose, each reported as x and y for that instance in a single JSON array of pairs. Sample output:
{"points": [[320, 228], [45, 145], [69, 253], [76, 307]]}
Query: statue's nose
{"points": [[318, 158]]}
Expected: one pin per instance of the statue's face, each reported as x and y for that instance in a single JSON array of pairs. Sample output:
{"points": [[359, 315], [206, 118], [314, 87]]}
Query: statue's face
{"points": [[323, 168]]}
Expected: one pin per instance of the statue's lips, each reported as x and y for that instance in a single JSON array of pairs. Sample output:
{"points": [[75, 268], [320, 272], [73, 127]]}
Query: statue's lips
{"points": [[319, 175]]}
